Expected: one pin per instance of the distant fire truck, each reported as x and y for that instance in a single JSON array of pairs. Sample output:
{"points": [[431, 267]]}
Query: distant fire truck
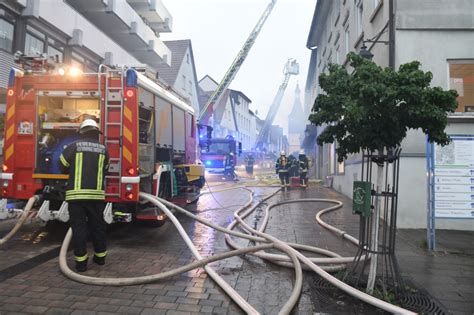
{"points": [[219, 155], [149, 131]]}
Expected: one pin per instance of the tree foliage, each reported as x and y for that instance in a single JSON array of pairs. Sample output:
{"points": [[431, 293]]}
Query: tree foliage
{"points": [[374, 107]]}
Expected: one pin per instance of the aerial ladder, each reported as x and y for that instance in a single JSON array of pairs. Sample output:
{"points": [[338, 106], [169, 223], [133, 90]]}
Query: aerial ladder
{"points": [[291, 68], [213, 102]]}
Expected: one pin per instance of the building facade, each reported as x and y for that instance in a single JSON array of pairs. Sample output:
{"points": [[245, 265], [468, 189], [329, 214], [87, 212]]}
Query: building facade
{"points": [[437, 33], [181, 73], [83, 33]]}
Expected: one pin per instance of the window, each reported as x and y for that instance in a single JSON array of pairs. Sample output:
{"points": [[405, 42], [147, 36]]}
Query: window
{"points": [[187, 58], [37, 43], [340, 168], [346, 41], [55, 49], [360, 10], [332, 159], [338, 59], [7, 30], [33, 45], [55, 54], [338, 11], [461, 74]]}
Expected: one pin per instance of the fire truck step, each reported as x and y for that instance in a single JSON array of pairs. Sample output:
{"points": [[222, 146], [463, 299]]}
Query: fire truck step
{"points": [[113, 124], [114, 106], [112, 195], [112, 141]]}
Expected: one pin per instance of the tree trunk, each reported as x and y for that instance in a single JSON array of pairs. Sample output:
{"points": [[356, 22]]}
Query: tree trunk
{"points": [[375, 227]]}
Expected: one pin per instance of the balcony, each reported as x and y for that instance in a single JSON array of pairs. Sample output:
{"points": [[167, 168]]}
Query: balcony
{"points": [[79, 29], [121, 23], [154, 13]]}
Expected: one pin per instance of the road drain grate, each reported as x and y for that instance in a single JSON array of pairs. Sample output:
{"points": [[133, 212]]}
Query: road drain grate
{"points": [[328, 299], [418, 300]]}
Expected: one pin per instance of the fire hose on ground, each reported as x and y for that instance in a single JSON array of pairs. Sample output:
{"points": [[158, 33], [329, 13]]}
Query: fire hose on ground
{"points": [[24, 216], [291, 259]]}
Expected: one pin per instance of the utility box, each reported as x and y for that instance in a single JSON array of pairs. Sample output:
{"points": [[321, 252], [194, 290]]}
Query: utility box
{"points": [[361, 198]]}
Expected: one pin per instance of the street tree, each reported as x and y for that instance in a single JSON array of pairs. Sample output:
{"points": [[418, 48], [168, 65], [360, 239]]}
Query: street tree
{"points": [[372, 108]]}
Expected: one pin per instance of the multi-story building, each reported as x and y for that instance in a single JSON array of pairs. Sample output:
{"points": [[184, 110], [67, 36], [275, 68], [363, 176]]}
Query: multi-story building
{"points": [[181, 73], [437, 33], [83, 33], [231, 116]]}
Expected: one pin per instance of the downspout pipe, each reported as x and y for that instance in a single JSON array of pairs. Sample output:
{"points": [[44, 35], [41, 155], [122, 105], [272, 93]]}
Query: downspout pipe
{"points": [[391, 34]]}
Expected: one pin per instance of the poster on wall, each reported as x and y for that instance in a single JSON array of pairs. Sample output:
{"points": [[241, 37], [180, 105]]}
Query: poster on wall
{"points": [[454, 179]]}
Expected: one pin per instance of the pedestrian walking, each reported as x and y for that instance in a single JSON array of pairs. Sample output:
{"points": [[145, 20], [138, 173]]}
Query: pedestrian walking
{"points": [[282, 168], [303, 168], [86, 161]]}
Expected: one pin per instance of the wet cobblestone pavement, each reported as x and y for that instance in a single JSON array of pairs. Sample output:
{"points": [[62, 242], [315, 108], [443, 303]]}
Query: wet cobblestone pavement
{"points": [[30, 280]]}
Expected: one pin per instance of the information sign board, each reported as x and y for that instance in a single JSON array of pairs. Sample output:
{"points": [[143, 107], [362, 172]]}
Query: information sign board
{"points": [[453, 178]]}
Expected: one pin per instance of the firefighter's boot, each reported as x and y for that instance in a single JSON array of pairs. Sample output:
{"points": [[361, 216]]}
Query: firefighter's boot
{"points": [[99, 259], [81, 266]]}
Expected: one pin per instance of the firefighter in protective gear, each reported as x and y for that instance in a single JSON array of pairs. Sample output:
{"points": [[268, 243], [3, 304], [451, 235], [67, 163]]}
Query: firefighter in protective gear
{"points": [[229, 167], [249, 162], [303, 168], [282, 167], [86, 162]]}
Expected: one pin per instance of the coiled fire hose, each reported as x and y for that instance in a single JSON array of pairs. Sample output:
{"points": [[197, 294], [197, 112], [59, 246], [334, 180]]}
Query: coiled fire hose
{"points": [[260, 237], [21, 220]]}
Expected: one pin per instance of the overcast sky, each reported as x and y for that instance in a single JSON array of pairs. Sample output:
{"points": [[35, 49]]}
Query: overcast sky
{"points": [[219, 28]]}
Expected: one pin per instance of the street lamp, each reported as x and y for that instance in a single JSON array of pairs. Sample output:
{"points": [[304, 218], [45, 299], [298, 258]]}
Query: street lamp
{"points": [[365, 53]]}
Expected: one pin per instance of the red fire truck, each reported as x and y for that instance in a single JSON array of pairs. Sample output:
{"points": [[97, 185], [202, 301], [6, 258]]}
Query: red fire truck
{"points": [[148, 130], [219, 155]]}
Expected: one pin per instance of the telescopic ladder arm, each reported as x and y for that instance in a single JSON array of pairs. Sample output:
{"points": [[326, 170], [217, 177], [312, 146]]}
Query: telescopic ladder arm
{"points": [[291, 68], [215, 98]]}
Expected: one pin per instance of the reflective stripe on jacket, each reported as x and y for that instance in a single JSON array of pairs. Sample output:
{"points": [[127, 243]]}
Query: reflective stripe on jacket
{"points": [[303, 164], [282, 164], [86, 161]]}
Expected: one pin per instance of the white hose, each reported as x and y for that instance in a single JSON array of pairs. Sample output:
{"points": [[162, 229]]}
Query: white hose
{"points": [[292, 258], [282, 259], [336, 282], [144, 279], [202, 262], [289, 305], [21, 220]]}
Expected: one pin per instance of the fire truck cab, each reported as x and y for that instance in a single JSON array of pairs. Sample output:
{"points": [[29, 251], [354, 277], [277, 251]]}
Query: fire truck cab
{"points": [[149, 131], [219, 155]]}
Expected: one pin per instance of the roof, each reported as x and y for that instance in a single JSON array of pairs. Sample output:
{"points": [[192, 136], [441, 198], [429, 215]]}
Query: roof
{"points": [[320, 14], [209, 77], [242, 95], [178, 52]]}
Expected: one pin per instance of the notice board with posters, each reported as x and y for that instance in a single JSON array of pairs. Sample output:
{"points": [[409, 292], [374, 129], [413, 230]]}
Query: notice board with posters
{"points": [[450, 181]]}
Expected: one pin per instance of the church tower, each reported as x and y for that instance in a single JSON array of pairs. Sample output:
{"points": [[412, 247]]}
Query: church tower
{"points": [[296, 124]]}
